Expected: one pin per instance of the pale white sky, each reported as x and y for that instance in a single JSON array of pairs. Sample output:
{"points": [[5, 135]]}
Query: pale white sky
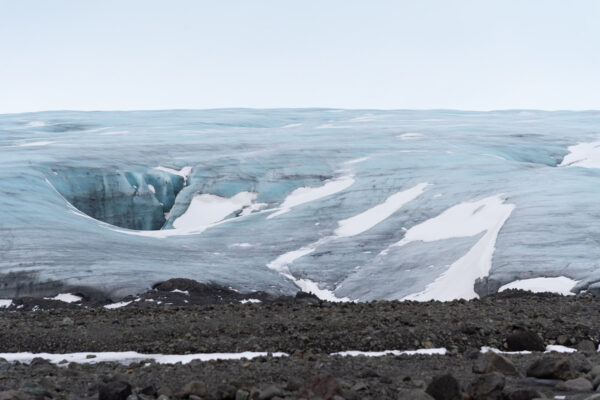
{"points": [[463, 54]]}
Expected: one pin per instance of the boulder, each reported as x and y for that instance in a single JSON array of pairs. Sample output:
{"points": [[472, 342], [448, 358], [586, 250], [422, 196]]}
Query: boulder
{"points": [[114, 390], [270, 392], [242, 394], [523, 394], [576, 385], [325, 386], [13, 395], [551, 368], [444, 387], [413, 394], [487, 387], [586, 346], [525, 340], [193, 388], [492, 362]]}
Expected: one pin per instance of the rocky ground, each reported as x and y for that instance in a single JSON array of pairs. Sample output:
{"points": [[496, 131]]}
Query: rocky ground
{"points": [[181, 316]]}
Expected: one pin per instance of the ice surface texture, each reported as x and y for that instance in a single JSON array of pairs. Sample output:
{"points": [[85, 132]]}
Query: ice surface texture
{"points": [[352, 204]]}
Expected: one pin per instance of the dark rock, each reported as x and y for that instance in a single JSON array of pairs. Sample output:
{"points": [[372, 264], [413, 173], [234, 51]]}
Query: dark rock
{"points": [[472, 354], [164, 391], [586, 346], [562, 339], [580, 363], [34, 389], [193, 387], [444, 387], [149, 390], [270, 392], [226, 392], [325, 386], [350, 395], [39, 361], [306, 297], [358, 386], [242, 394], [492, 362], [487, 387], [523, 394], [413, 394], [13, 395], [293, 384], [576, 385], [549, 367], [525, 340], [114, 390], [540, 382]]}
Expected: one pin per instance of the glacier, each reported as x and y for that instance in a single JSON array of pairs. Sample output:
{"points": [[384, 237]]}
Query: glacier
{"points": [[349, 204]]}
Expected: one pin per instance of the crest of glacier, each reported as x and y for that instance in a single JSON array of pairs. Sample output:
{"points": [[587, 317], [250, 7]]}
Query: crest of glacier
{"points": [[350, 205]]}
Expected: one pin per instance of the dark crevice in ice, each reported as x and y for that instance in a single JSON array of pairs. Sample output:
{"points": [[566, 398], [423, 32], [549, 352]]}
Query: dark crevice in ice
{"points": [[127, 199]]}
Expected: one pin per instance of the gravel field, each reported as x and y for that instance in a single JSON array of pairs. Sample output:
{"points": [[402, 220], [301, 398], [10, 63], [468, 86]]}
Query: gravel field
{"points": [[184, 317]]}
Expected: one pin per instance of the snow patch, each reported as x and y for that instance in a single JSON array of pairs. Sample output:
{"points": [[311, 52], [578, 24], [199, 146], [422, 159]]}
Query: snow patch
{"points": [[354, 353], [368, 219], [207, 209], [250, 301], [486, 349], [307, 194], [584, 155], [549, 349], [559, 349], [180, 291], [117, 305], [308, 286], [280, 264], [252, 208], [5, 303], [128, 357], [65, 297], [348, 227], [151, 188], [463, 220], [561, 285]]}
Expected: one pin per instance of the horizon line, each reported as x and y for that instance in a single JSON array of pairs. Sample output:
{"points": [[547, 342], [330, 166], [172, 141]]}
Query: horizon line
{"points": [[298, 108]]}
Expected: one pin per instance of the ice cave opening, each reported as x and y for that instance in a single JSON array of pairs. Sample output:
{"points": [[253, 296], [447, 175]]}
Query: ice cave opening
{"points": [[138, 200]]}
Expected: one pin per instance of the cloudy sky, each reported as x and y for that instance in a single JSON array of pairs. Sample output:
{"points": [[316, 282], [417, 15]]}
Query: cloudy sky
{"points": [[463, 54]]}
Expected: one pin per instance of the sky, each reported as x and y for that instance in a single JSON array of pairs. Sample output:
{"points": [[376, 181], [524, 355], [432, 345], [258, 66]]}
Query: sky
{"points": [[420, 54]]}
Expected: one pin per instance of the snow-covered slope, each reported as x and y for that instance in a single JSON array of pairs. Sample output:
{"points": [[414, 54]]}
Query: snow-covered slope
{"points": [[349, 204]]}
